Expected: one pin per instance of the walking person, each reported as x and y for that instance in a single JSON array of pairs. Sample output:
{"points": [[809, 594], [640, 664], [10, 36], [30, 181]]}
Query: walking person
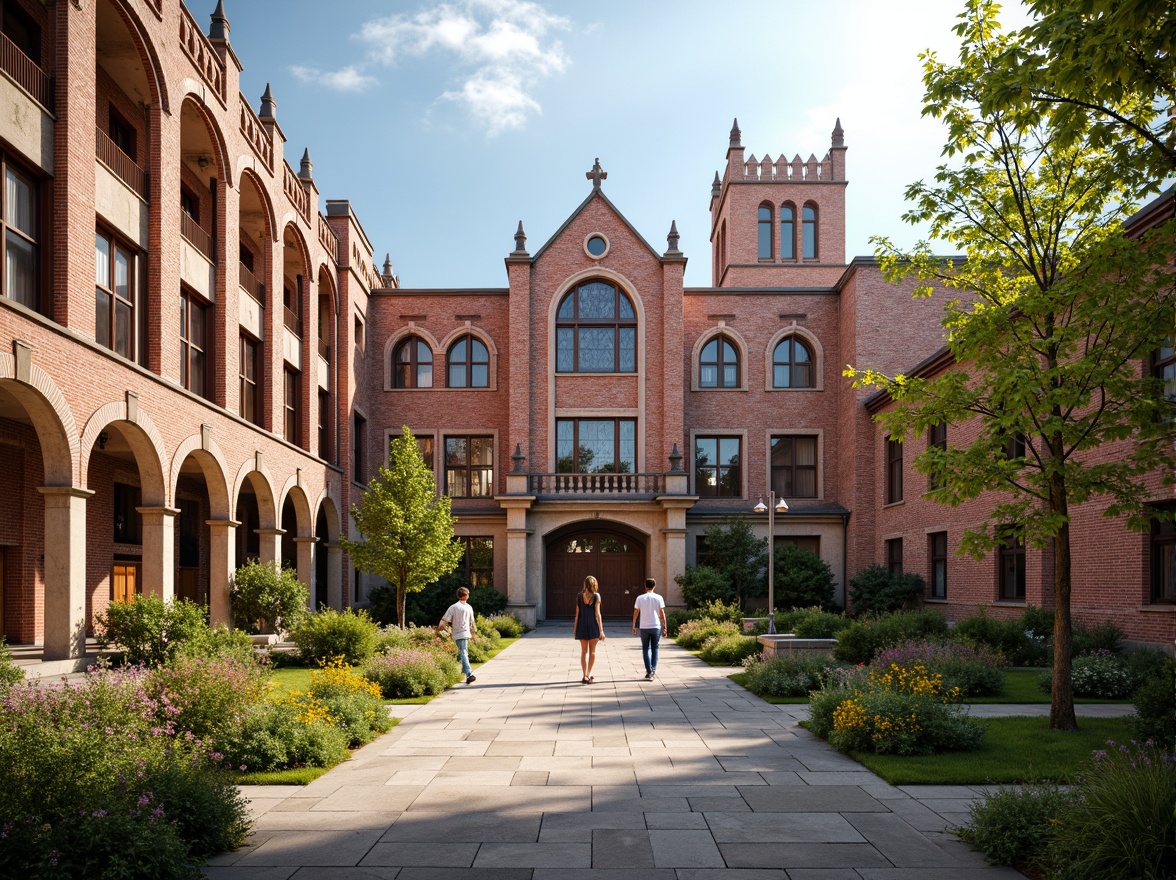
{"points": [[649, 615], [588, 628], [460, 619]]}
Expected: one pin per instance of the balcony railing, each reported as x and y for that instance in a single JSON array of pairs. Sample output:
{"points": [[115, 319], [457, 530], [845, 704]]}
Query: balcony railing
{"points": [[249, 281], [573, 486], [196, 236], [292, 321], [324, 349], [26, 72], [121, 165]]}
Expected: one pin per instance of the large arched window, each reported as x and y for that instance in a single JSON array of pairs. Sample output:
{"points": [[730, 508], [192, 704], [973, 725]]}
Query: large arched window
{"points": [[412, 364], [596, 331], [765, 232], [792, 364], [468, 363], [787, 232], [718, 364], [809, 232]]}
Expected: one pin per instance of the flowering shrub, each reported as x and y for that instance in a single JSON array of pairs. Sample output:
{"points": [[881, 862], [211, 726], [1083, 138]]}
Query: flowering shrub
{"points": [[1100, 674], [977, 670], [506, 625], [276, 735], [693, 634], [904, 710], [203, 696], [728, 649], [865, 637], [412, 672], [328, 634], [95, 783], [783, 676], [10, 673], [349, 701]]}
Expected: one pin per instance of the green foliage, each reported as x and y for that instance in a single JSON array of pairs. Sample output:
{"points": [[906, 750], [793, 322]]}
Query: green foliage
{"points": [[1012, 826], [10, 673], [1101, 674], [1122, 823], [207, 695], [801, 579], [740, 557], [879, 591], [1155, 706], [218, 641], [702, 584], [265, 598], [413, 672], [150, 630], [865, 637], [273, 736], [1023, 641], [487, 600], [1089, 639], [784, 676], [325, 635], [353, 703], [426, 607], [976, 670], [729, 649], [507, 625], [407, 530], [693, 634], [811, 623]]}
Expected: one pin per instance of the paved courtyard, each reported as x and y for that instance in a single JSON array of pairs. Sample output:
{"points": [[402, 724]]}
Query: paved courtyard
{"points": [[530, 775]]}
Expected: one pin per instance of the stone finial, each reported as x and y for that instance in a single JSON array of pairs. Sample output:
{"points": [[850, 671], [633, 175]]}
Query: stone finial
{"points": [[736, 136], [716, 187], [597, 174], [388, 265], [672, 239], [520, 240], [306, 167], [219, 29], [518, 460], [269, 107], [675, 461], [838, 134]]}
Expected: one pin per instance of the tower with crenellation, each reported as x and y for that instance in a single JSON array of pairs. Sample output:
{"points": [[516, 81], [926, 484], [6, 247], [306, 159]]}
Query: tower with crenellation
{"points": [[779, 223]]}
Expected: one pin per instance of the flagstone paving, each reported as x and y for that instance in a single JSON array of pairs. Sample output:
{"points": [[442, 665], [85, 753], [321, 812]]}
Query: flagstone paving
{"points": [[530, 775]]}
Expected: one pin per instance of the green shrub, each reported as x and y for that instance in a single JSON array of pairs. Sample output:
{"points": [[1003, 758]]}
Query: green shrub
{"points": [[679, 616], [412, 672], [1088, 639], [1148, 663], [728, 649], [876, 590], [1007, 636], [487, 600], [1121, 824], [1100, 674], [811, 623], [1155, 708], [783, 676], [976, 670], [10, 673], [265, 598], [801, 579], [354, 704], [864, 638], [740, 557], [507, 625], [277, 736], [426, 607], [1013, 826], [207, 806], [702, 585], [206, 695], [693, 634], [328, 634], [150, 630], [218, 641]]}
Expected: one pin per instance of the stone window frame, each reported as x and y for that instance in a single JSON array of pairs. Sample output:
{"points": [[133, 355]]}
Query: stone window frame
{"points": [[467, 330], [623, 290], [816, 349], [394, 341], [35, 240], [732, 336], [468, 434], [739, 434]]}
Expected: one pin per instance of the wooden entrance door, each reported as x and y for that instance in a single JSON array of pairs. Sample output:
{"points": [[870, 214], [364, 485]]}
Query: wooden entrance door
{"points": [[616, 560]]}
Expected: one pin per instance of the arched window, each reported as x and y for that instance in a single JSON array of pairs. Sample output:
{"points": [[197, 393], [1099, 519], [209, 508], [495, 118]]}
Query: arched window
{"points": [[412, 364], [596, 331], [765, 232], [809, 231], [718, 364], [792, 364], [469, 364], [787, 232]]}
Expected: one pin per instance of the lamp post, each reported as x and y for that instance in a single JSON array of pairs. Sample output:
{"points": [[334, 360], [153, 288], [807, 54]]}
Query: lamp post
{"points": [[775, 505]]}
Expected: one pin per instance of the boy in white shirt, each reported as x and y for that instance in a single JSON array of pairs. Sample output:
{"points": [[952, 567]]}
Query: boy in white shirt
{"points": [[648, 611], [460, 618]]}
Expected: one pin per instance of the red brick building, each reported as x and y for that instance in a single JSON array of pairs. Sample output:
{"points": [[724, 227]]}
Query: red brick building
{"points": [[165, 415]]}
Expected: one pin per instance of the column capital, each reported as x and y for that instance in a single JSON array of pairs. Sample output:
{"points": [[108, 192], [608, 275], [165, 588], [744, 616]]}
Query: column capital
{"points": [[158, 511], [221, 523], [274, 533], [310, 540], [65, 491]]}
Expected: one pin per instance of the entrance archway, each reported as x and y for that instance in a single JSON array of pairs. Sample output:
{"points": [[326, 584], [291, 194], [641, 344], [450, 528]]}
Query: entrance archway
{"points": [[613, 553]]}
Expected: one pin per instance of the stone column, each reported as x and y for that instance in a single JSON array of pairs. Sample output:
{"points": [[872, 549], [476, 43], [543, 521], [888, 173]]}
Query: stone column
{"points": [[159, 551], [65, 571], [270, 545], [334, 574], [305, 550], [519, 589], [222, 564]]}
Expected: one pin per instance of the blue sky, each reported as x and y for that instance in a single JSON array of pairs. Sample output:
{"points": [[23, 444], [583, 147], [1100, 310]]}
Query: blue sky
{"points": [[445, 124]]}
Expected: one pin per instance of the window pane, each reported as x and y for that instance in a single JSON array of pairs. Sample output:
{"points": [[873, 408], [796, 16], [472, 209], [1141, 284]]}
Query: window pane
{"points": [[597, 350], [628, 350], [19, 204], [710, 351], [197, 330], [628, 450], [708, 376], [455, 451], [102, 318], [20, 279], [565, 350], [597, 302], [481, 377], [425, 376], [197, 374], [627, 313], [478, 352], [101, 261], [458, 352], [122, 328], [482, 450], [731, 376], [567, 308], [121, 274], [728, 450], [457, 375], [780, 376]]}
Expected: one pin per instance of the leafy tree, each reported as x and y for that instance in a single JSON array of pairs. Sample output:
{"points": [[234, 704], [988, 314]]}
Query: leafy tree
{"points": [[801, 579], [702, 585], [877, 589], [265, 598], [738, 555], [1056, 315], [407, 529]]}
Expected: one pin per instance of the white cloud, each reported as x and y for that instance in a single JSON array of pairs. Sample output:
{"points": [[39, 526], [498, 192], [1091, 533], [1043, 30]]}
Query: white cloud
{"points": [[348, 79]]}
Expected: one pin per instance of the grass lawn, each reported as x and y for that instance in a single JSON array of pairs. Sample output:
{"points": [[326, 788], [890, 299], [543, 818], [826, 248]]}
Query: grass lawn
{"points": [[1014, 750]]}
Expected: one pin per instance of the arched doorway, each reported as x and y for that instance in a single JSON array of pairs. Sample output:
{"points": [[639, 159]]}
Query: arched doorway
{"points": [[611, 552]]}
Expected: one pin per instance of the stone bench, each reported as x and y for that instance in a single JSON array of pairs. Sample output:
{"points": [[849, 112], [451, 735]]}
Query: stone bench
{"points": [[788, 644]]}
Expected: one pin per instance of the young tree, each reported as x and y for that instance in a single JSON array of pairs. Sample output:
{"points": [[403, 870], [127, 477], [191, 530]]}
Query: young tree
{"points": [[742, 558], [407, 528], [1056, 318]]}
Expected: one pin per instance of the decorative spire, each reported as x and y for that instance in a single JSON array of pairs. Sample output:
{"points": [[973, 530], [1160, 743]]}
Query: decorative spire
{"points": [[596, 175], [676, 461], [269, 106], [672, 239], [716, 187], [519, 460], [387, 264], [520, 240], [838, 134], [219, 30], [306, 168], [736, 134]]}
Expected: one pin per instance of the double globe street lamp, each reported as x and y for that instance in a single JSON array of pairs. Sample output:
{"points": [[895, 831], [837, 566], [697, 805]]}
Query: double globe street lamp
{"points": [[775, 505]]}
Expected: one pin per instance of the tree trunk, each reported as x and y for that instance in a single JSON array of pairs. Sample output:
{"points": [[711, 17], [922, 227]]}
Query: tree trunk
{"points": [[1061, 706], [401, 595]]}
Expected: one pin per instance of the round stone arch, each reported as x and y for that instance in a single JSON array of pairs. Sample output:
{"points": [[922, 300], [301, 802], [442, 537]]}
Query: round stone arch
{"points": [[399, 336], [812, 342], [262, 482], [193, 95], [153, 69], [615, 553], [326, 588], [211, 460], [721, 329], [246, 171], [144, 440], [50, 415], [327, 506], [293, 492]]}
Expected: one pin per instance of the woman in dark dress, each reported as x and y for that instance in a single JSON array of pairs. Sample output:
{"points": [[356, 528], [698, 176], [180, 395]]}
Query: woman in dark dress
{"points": [[588, 628]]}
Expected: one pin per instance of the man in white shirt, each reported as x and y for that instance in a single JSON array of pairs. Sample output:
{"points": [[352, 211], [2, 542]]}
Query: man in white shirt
{"points": [[460, 618], [649, 614]]}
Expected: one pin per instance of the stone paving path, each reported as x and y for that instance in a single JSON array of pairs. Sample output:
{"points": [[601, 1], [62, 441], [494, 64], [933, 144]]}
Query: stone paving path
{"points": [[529, 775]]}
